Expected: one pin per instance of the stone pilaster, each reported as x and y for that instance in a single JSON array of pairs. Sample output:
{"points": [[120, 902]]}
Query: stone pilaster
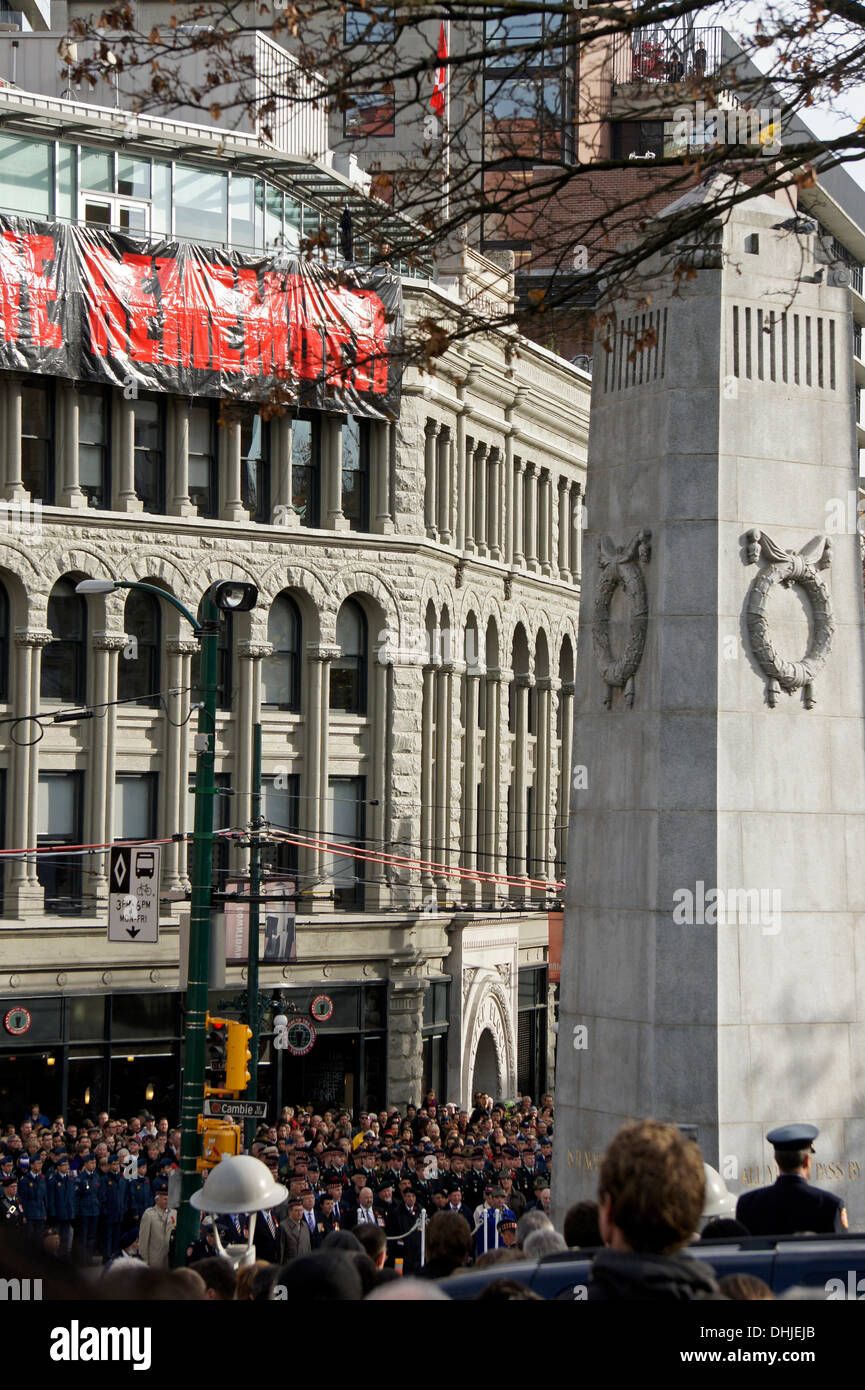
{"points": [[405, 718], [69, 492], [179, 652], [404, 1047], [102, 764], [314, 788], [23, 891]]}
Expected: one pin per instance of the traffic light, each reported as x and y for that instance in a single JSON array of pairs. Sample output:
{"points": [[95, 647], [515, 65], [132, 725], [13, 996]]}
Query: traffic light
{"points": [[237, 1072], [217, 1049], [219, 1138]]}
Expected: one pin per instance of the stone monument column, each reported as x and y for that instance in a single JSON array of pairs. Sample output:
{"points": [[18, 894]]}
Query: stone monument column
{"points": [[715, 902]]}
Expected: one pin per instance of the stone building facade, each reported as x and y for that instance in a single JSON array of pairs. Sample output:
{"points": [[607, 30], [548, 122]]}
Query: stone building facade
{"points": [[410, 659]]}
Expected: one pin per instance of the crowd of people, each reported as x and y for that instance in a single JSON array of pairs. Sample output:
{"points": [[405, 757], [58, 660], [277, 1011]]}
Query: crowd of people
{"points": [[99, 1191], [381, 1207]]}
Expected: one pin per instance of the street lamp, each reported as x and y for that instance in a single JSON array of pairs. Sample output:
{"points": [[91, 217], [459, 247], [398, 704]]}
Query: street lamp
{"points": [[224, 596]]}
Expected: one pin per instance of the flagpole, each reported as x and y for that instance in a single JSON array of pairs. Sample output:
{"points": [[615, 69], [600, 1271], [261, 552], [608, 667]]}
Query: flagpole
{"points": [[447, 128]]}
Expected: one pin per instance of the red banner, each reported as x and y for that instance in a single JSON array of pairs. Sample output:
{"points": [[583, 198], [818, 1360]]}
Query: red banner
{"points": [[96, 306]]}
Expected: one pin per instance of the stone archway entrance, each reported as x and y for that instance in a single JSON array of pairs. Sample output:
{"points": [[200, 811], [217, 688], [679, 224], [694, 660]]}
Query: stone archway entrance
{"points": [[485, 1076]]}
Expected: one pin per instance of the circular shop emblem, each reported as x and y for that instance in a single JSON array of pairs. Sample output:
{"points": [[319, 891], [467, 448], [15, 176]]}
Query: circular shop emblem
{"points": [[300, 1037], [17, 1021], [321, 1008]]}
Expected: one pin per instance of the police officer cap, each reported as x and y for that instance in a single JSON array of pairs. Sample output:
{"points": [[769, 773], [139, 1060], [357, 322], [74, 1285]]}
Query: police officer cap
{"points": [[142, 1163], [793, 1137]]}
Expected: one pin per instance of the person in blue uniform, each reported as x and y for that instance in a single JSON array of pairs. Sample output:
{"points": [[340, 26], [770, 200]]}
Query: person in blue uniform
{"points": [[140, 1192], [63, 1202], [33, 1197], [87, 1182], [113, 1206], [792, 1204]]}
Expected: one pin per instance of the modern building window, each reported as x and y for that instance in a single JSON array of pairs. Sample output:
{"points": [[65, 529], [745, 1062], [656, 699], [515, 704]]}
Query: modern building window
{"points": [[368, 26], [347, 807], [203, 459], [94, 422], [4, 646], [281, 808], [59, 817], [37, 439], [355, 472], [149, 445], [371, 114], [348, 672], [255, 466], [306, 470], [135, 806], [280, 675], [201, 205], [138, 671], [64, 661], [247, 213], [26, 175]]}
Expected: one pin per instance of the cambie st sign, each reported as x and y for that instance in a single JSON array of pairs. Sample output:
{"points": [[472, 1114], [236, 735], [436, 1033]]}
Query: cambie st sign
{"points": [[235, 1109]]}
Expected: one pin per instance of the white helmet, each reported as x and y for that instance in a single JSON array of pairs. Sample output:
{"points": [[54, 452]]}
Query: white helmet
{"points": [[718, 1201], [240, 1183]]}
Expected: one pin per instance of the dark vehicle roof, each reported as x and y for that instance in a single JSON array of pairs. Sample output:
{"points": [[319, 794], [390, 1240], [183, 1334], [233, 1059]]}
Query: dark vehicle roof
{"points": [[782, 1262]]}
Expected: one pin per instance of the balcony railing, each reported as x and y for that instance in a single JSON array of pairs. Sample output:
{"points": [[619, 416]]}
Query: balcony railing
{"points": [[663, 55]]}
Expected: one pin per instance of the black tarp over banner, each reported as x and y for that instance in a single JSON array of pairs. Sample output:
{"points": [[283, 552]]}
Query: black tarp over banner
{"points": [[167, 316]]}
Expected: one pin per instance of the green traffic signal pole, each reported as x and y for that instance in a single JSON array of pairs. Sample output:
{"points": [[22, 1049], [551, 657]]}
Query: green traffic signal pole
{"points": [[254, 1015], [206, 629]]}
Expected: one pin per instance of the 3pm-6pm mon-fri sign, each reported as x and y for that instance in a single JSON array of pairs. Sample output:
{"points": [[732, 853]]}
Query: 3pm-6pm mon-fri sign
{"points": [[133, 893]]}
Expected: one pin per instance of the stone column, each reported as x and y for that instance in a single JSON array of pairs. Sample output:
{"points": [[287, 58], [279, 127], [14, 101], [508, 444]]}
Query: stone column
{"points": [[445, 486], [566, 752], [495, 505], [507, 521], [229, 474], [126, 498], [404, 1046], [564, 528], [331, 458], [518, 558], [380, 447], [481, 516], [505, 676], [532, 516], [101, 770], [379, 777], [576, 532], [179, 652], [443, 756], [543, 783], [492, 783], [468, 832], [251, 653], [431, 430], [23, 890], [522, 685], [470, 495], [14, 490], [283, 464], [314, 788], [178, 415], [69, 492], [428, 771], [545, 528]]}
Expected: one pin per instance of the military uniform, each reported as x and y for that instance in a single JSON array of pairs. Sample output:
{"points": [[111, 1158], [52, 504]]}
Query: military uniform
{"points": [[791, 1204], [33, 1199]]}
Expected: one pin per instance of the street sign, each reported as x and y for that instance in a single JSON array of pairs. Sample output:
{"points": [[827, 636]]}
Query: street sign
{"points": [[133, 893], [235, 1109]]}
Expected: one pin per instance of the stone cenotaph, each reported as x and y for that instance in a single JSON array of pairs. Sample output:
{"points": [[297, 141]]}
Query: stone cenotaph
{"points": [[713, 966]]}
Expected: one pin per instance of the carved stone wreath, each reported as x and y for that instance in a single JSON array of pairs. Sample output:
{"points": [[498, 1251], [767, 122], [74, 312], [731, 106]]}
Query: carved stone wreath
{"points": [[787, 567], [621, 566]]}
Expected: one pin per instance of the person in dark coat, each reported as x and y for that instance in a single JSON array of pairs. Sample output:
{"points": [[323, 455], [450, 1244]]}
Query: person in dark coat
{"points": [[63, 1202], [405, 1216], [87, 1183], [792, 1204], [651, 1189], [140, 1192], [33, 1196], [113, 1206]]}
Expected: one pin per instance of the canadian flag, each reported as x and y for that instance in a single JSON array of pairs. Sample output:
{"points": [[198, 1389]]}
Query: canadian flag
{"points": [[437, 100]]}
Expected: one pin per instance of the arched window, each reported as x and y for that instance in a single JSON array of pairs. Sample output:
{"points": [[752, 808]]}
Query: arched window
{"points": [[280, 674], [348, 671], [64, 660], [138, 672], [4, 646]]}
